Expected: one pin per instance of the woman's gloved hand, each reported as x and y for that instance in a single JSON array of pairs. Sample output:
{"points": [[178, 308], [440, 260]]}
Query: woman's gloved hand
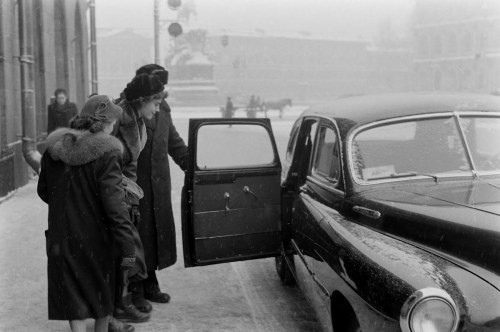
{"points": [[127, 263], [135, 215]]}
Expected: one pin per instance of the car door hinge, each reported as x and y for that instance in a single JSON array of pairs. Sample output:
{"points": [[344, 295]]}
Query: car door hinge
{"points": [[190, 196]]}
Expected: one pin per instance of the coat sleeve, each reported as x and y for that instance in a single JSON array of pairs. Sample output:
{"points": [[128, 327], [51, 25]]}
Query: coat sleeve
{"points": [[177, 149], [42, 181], [73, 111], [109, 181], [51, 122]]}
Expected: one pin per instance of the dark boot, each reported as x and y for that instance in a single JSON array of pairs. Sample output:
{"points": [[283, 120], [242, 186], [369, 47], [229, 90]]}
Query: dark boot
{"points": [[137, 289], [127, 312], [152, 293], [115, 325]]}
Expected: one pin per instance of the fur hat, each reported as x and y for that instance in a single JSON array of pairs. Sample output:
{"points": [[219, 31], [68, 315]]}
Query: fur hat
{"points": [[143, 85], [154, 69], [101, 108]]}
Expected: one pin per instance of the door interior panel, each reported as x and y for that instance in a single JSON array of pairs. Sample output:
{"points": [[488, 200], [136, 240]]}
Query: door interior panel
{"points": [[229, 221], [232, 213]]}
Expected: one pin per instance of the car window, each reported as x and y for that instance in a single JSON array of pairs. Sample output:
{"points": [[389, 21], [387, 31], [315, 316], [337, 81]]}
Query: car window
{"points": [[429, 146], [326, 165], [294, 134], [304, 146], [239, 145]]}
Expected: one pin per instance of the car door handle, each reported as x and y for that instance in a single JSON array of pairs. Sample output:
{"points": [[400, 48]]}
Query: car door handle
{"points": [[226, 198], [246, 190]]}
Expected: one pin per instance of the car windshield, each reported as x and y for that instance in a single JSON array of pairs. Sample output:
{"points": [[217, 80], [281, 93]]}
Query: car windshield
{"points": [[426, 147], [483, 137]]}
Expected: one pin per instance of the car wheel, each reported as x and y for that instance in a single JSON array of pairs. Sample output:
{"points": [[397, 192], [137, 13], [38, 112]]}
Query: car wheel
{"points": [[284, 272]]}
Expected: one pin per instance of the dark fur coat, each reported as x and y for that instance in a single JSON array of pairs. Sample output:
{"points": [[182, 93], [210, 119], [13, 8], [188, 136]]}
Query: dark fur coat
{"points": [[81, 181], [157, 228]]}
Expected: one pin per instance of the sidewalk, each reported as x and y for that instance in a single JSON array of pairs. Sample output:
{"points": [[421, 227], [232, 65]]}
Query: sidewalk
{"points": [[23, 280]]}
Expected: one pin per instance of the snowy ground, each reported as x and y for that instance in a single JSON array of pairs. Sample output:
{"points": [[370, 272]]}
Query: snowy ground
{"points": [[242, 296]]}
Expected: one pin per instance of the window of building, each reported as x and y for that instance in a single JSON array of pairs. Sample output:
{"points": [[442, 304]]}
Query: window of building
{"points": [[467, 42], [437, 47], [451, 43]]}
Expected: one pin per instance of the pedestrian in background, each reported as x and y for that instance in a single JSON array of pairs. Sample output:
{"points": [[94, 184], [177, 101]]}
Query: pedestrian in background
{"points": [[140, 100], [157, 226], [60, 111], [229, 109], [81, 181]]}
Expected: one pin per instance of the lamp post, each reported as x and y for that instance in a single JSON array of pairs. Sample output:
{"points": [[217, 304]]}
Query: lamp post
{"points": [[175, 29], [157, 30], [93, 47]]}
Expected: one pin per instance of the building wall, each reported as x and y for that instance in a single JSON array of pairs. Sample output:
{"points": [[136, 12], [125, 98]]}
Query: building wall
{"points": [[119, 54], [60, 61], [298, 68], [457, 45]]}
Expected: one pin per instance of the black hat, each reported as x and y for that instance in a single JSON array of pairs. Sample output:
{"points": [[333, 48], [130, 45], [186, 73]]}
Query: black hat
{"points": [[143, 85], [154, 69]]}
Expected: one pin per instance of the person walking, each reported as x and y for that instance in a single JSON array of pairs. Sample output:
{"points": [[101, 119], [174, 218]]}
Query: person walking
{"points": [[229, 109], [157, 227], [81, 181], [60, 111], [140, 100]]}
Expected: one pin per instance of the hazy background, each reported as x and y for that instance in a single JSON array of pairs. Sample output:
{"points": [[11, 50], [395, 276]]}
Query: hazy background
{"points": [[342, 19]]}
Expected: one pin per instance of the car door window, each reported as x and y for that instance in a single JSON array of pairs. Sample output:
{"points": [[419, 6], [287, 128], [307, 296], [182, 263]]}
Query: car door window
{"points": [[221, 146], [326, 163]]}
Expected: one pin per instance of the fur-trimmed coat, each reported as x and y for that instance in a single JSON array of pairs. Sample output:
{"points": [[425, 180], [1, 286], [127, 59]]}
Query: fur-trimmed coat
{"points": [[81, 181], [157, 228], [130, 129]]}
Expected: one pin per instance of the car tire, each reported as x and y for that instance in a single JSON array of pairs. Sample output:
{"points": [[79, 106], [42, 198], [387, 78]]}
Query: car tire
{"points": [[284, 272]]}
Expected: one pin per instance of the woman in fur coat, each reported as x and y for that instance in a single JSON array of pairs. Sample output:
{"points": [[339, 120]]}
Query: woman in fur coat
{"points": [[81, 181], [140, 100], [157, 227]]}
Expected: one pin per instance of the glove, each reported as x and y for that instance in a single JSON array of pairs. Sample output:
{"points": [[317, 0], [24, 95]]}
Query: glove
{"points": [[127, 263], [135, 215]]}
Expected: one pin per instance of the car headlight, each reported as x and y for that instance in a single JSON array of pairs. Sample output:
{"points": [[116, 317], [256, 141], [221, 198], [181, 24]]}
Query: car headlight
{"points": [[429, 310]]}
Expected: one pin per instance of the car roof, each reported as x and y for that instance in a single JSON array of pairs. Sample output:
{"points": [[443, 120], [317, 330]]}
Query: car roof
{"points": [[359, 110]]}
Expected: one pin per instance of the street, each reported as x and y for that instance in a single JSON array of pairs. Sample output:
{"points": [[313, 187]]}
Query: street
{"points": [[241, 296]]}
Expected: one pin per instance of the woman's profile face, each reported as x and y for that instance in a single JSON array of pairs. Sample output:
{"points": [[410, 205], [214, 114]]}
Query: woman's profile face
{"points": [[149, 109], [109, 127], [61, 98]]}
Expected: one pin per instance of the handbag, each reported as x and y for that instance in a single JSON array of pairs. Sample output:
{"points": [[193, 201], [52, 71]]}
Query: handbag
{"points": [[133, 193]]}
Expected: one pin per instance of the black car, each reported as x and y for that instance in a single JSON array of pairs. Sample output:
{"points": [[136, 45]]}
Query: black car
{"points": [[385, 209]]}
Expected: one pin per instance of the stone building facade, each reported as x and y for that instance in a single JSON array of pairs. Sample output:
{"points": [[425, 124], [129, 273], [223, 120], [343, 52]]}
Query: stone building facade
{"points": [[457, 45], [60, 52]]}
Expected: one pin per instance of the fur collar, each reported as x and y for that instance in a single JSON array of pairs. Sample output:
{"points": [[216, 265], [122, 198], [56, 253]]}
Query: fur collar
{"points": [[79, 147], [128, 131]]}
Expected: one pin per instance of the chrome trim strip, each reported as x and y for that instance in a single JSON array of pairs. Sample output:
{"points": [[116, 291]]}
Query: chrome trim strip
{"points": [[464, 142], [420, 296], [301, 256], [316, 280], [374, 214]]}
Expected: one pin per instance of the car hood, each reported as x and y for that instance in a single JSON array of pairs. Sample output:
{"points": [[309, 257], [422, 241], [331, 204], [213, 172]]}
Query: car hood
{"points": [[458, 219]]}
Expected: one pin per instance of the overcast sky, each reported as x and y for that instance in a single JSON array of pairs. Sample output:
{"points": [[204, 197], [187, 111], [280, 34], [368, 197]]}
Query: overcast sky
{"points": [[337, 19]]}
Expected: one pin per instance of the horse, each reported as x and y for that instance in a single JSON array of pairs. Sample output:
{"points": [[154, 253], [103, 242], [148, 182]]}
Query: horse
{"points": [[276, 105]]}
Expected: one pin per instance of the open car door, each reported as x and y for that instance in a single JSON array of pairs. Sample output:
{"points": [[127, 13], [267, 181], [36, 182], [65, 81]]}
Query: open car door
{"points": [[231, 197]]}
